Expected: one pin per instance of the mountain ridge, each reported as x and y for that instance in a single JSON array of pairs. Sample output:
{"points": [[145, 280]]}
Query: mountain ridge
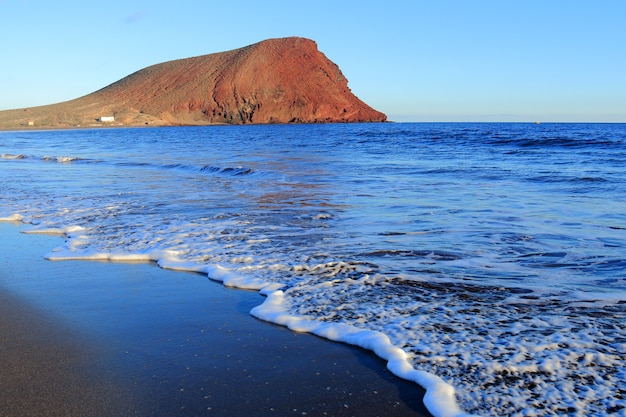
{"points": [[282, 80]]}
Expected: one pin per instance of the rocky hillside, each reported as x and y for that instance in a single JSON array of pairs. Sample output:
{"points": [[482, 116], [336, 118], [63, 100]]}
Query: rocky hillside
{"points": [[285, 80]]}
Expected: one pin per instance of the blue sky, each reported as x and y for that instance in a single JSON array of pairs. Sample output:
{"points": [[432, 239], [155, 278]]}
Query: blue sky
{"points": [[414, 60]]}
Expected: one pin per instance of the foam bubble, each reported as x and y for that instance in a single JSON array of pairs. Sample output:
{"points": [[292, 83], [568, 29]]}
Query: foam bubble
{"points": [[12, 218]]}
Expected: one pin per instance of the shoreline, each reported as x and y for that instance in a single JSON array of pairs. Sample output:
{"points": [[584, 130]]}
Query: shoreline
{"points": [[156, 342], [141, 126]]}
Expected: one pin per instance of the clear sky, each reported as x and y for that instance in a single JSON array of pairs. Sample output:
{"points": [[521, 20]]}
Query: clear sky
{"points": [[415, 60]]}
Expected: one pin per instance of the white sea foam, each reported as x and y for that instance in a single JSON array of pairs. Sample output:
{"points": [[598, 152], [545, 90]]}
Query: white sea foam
{"points": [[440, 396], [500, 295], [60, 159], [12, 156], [520, 345], [12, 218]]}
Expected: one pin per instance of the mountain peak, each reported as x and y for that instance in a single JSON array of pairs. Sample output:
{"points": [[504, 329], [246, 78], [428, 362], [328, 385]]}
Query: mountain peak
{"points": [[284, 80]]}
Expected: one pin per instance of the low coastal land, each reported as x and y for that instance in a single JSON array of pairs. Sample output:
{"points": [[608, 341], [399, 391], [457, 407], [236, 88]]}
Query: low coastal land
{"points": [[102, 339]]}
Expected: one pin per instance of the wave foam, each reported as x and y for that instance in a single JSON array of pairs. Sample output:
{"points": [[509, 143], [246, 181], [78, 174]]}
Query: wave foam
{"points": [[440, 396]]}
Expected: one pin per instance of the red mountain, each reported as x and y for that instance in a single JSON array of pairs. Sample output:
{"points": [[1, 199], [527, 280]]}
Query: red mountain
{"points": [[285, 80]]}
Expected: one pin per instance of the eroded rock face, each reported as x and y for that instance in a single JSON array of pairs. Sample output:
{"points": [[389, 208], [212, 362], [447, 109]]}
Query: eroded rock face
{"points": [[285, 80], [275, 81]]}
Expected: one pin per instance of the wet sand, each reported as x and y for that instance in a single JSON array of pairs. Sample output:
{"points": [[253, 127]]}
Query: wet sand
{"points": [[48, 370], [82, 338]]}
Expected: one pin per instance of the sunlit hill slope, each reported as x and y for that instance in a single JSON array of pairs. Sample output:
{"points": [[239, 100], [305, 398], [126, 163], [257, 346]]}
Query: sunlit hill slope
{"points": [[285, 80]]}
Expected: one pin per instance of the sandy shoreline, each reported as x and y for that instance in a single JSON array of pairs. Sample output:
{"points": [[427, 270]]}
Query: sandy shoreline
{"points": [[49, 370], [95, 338]]}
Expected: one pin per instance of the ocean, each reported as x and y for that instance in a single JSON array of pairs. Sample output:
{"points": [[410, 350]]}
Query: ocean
{"points": [[485, 261]]}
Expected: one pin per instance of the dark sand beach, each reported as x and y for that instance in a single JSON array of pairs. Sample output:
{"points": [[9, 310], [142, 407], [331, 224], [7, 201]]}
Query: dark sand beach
{"points": [[82, 338]]}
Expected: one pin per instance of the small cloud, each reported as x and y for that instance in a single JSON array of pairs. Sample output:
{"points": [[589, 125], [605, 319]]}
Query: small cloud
{"points": [[135, 17]]}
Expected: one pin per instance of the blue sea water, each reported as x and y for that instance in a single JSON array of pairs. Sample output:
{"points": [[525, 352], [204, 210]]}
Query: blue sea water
{"points": [[489, 257]]}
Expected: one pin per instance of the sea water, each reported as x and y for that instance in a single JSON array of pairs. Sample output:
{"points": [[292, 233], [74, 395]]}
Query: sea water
{"points": [[487, 262]]}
